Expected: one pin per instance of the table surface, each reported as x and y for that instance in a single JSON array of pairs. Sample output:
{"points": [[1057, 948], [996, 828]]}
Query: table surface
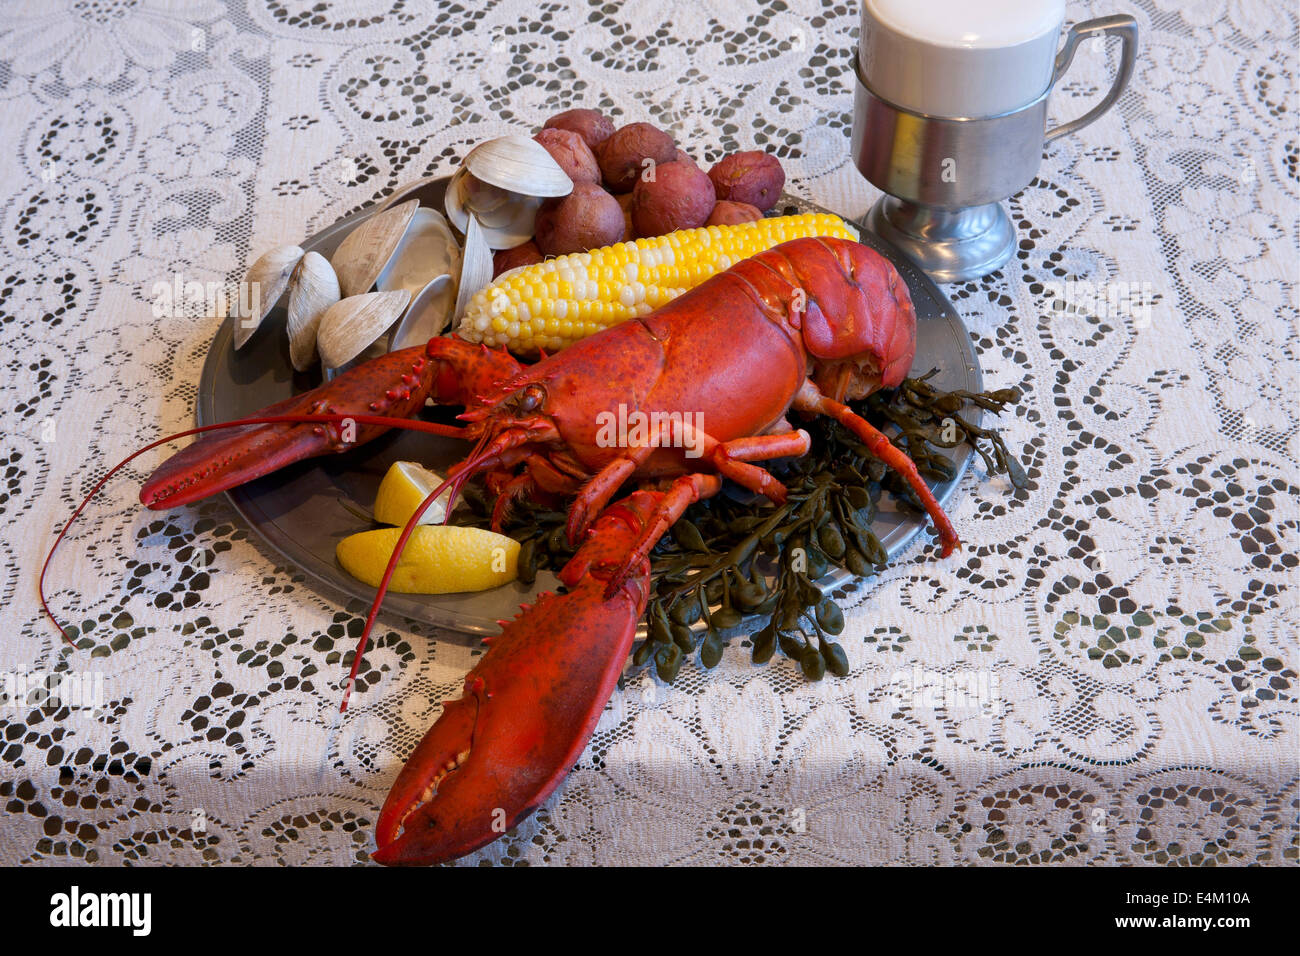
{"points": [[1127, 621]]}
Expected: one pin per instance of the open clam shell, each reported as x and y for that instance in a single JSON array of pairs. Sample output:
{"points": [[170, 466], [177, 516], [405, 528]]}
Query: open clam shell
{"points": [[350, 325], [507, 219], [429, 314], [518, 164], [267, 279], [312, 290], [428, 249], [363, 254]]}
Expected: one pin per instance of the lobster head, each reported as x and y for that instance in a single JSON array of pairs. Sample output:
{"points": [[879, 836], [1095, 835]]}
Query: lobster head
{"points": [[858, 322]]}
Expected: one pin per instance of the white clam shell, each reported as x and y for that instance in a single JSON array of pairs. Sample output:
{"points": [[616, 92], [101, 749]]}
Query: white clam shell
{"points": [[475, 266], [518, 164], [428, 315], [312, 290], [267, 279], [454, 202], [506, 224], [362, 255], [350, 325], [428, 249], [490, 203]]}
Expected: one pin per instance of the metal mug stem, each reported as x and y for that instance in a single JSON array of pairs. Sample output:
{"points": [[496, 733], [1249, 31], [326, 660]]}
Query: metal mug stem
{"points": [[946, 176], [951, 245]]}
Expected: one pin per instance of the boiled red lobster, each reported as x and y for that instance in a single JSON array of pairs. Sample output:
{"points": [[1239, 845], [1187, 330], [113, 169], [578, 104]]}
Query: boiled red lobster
{"points": [[805, 326]]}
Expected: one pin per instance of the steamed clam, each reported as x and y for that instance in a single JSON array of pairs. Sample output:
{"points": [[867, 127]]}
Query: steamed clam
{"points": [[507, 218], [409, 254], [426, 264], [502, 183], [518, 164], [362, 255], [429, 314], [352, 325], [267, 278], [428, 249], [312, 290]]}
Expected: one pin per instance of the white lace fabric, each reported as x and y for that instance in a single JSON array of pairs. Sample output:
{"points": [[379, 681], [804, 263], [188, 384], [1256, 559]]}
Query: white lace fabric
{"points": [[1127, 622]]}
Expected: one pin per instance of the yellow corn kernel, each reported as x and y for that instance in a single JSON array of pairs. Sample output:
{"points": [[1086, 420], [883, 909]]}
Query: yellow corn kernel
{"points": [[557, 302]]}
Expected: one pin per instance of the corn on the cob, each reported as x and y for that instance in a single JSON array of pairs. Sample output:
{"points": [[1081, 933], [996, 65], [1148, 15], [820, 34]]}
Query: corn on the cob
{"points": [[556, 302]]}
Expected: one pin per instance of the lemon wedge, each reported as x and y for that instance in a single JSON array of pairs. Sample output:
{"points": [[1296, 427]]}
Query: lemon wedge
{"points": [[438, 559], [403, 489]]}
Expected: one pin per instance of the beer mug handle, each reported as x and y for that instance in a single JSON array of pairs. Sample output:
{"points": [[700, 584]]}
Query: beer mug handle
{"points": [[1122, 26]]}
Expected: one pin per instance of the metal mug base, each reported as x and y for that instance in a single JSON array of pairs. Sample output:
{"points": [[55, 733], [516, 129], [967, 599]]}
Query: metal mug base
{"points": [[950, 245]]}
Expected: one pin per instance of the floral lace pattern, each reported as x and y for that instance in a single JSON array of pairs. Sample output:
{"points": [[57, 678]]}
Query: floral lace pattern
{"points": [[1105, 674]]}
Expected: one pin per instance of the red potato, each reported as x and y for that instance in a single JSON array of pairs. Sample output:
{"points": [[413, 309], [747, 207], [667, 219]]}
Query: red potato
{"points": [[685, 157], [503, 260], [728, 213], [630, 150], [585, 219], [592, 125], [571, 153], [751, 177], [680, 196]]}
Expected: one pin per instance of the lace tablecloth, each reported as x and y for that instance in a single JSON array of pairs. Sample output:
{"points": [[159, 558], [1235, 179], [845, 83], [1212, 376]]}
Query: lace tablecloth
{"points": [[1126, 623]]}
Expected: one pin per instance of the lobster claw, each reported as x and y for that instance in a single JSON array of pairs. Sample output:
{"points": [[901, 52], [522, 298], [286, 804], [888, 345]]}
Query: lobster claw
{"points": [[528, 709], [376, 395], [396, 385]]}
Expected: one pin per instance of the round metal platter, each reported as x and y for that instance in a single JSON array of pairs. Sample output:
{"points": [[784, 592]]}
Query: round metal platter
{"points": [[305, 510]]}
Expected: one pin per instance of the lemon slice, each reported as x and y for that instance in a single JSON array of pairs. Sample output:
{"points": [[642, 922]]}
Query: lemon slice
{"points": [[438, 559], [405, 486]]}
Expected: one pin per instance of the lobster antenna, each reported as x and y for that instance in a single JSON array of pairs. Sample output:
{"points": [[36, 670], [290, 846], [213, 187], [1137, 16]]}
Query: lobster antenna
{"points": [[473, 460], [476, 458], [450, 431]]}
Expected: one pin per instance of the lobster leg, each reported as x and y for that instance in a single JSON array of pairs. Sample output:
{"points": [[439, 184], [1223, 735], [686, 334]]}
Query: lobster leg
{"points": [[681, 494], [596, 493], [732, 459], [529, 706], [810, 399], [540, 480], [507, 494]]}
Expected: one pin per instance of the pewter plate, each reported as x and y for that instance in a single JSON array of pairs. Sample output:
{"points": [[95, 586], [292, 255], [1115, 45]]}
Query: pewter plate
{"points": [[303, 511]]}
